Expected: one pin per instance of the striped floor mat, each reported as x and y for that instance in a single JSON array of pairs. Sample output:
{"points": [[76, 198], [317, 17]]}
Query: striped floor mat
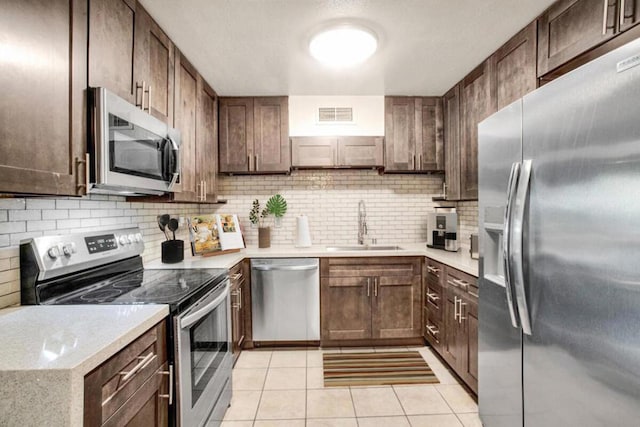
{"points": [[361, 369]]}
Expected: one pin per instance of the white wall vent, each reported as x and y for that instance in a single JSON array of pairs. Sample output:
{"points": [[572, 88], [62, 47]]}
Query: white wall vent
{"points": [[335, 115]]}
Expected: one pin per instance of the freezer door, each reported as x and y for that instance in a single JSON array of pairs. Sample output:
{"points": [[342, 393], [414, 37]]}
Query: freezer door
{"points": [[582, 246], [500, 342]]}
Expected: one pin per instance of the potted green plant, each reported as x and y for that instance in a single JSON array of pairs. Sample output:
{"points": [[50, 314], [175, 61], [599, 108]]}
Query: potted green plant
{"points": [[276, 206]]}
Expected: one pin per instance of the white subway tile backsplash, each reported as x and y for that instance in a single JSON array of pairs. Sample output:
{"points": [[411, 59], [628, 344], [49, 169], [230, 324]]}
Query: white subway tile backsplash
{"points": [[68, 204], [55, 214], [24, 215], [40, 204], [12, 203], [41, 225], [13, 227]]}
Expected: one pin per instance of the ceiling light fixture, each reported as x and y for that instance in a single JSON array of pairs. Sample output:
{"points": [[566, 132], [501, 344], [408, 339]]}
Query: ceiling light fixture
{"points": [[343, 46]]}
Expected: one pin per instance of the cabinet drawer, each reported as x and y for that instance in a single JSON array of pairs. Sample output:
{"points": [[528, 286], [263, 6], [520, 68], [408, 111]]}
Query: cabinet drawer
{"points": [[434, 300], [110, 385], [236, 275], [433, 330], [434, 272], [462, 281]]}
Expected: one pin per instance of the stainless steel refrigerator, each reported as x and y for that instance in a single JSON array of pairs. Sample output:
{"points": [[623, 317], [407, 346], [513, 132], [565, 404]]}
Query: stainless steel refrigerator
{"points": [[559, 216]]}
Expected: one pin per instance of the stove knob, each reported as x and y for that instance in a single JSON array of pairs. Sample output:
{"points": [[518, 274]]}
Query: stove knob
{"points": [[53, 252], [132, 238], [123, 240], [68, 249], [139, 237]]}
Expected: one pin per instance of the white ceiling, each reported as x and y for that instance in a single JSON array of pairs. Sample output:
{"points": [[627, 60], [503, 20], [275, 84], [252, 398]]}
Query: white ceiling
{"points": [[259, 47]]}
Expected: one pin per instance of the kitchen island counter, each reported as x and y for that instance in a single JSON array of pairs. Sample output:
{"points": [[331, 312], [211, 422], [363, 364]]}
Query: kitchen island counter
{"points": [[459, 260], [45, 352]]}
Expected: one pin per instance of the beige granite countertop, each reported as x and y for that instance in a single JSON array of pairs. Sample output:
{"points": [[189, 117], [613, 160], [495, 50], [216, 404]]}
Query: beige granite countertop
{"points": [[45, 352], [459, 260]]}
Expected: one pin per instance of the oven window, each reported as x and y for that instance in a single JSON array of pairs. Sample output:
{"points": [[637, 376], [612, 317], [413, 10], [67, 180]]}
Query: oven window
{"points": [[134, 150], [209, 345]]}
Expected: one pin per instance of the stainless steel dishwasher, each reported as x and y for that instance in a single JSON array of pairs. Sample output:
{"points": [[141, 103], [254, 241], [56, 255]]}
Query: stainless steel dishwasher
{"points": [[285, 299]]}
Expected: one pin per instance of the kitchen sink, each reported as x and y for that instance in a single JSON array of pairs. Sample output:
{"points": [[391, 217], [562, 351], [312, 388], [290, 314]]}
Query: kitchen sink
{"points": [[363, 248]]}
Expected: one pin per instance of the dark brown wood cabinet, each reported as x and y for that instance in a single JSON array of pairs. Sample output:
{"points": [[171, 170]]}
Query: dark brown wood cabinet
{"points": [[239, 293], [433, 303], [571, 27], [130, 55], [628, 14], [514, 67], [318, 152], [476, 105], [451, 109], [370, 298], [132, 387], [414, 139], [254, 135], [207, 143], [42, 107]]}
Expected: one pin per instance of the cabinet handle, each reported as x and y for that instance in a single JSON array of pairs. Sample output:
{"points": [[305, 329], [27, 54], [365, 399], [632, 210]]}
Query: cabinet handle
{"points": [[239, 298], [368, 286], [375, 287], [622, 16], [148, 99], [432, 329], [455, 308], [459, 284], [141, 88], [419, 161], [249, 162], [413, 162], [432, 297], [605, 16], [433, 270], [473, 294], [236, 276], [255, 163], [460, 316], [170, 395], [144, 362], [204, 192]]}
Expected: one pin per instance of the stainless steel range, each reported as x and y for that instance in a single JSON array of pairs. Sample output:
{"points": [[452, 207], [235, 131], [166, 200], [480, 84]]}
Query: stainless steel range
{"points": [[106, 268]]}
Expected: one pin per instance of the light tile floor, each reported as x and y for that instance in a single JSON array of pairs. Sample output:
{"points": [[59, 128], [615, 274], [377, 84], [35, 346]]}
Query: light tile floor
{"points": [[284, 388]]}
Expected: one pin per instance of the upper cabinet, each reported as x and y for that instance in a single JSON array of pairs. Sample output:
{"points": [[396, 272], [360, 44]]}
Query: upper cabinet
{"points": [[42, 123], [337, 152], [413, 134], [570, 28], [254, 135], [514, 67], [476, 105], [451, 107], [131, 56]]}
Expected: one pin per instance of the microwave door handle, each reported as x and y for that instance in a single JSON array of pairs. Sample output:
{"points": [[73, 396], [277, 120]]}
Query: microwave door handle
{"points": [[192, 318], [175, 174]]}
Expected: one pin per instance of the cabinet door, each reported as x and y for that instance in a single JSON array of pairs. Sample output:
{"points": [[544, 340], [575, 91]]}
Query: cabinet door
{"points": [[236, 134], [399, 133], [630, 14], [345, 307], [469, 312], [271, 134], [451, 110], [360, 151], [571, 27], [429, 134], [185, 121], [154, 63], [314, 151], [207, 141], [514, 66], [476, 105], [42, 125], [455, 341], [396, 307], [112, 26]]}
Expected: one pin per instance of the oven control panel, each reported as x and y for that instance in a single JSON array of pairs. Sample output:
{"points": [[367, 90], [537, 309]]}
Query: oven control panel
{"points": [[58, 255]]}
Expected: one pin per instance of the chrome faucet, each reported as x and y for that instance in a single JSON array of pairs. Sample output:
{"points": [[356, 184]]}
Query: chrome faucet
{"points": [[362, 222]]}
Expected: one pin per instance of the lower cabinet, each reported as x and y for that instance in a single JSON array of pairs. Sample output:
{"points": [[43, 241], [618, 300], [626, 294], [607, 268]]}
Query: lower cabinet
{"points": [[456, 337], [132, 387], [370, 298], [239, 306]]}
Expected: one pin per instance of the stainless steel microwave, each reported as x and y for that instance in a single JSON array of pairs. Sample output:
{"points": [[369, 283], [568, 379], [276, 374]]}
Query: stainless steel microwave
{"points": [[130, 151]]}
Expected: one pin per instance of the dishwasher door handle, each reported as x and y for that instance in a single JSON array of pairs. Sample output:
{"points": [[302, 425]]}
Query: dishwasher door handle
{"points": [[284, 267]]}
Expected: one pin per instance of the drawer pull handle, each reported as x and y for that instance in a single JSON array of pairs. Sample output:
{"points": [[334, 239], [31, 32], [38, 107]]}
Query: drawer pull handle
{"points": [[144, 362], [433, 330], [473, 294], [236, 276], [433, 270], [459, 283], [432, 297], [170, 395]]}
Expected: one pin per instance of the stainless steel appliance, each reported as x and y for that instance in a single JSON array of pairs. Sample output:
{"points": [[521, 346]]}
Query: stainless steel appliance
{"points": [[285, 299], [439, 223], [105, 267], [131, 152], [559, 289]]}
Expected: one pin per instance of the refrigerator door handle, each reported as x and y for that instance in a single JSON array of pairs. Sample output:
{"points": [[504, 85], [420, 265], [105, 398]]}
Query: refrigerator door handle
{"points": [[517, 241], [506, 242]]}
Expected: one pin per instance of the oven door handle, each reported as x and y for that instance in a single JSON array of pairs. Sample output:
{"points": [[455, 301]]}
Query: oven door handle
{"points": [[192, 318]]}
